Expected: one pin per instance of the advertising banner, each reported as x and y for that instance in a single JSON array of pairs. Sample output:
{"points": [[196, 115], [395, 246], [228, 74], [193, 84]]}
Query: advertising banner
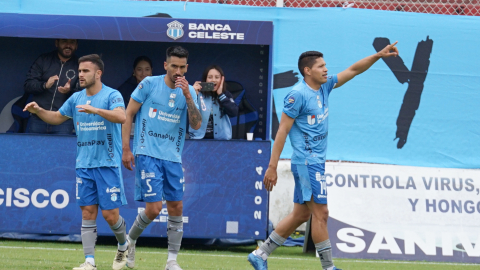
{"points": [[224, 196], [404, 213]]}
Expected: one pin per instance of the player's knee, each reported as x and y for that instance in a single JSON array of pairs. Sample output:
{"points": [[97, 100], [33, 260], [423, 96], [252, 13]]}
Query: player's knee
{"points": [[110, 217], [152, 211], [175, 208], [304, 217], [321, 216]]}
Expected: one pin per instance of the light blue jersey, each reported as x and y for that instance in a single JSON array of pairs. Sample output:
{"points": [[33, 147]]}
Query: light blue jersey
{"points": [[309, 132], [99, 142], [161, 122]]}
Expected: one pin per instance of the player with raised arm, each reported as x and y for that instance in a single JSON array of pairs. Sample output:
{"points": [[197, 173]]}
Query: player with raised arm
{"points": [[161, 105], [98, 112], [305, 119]]}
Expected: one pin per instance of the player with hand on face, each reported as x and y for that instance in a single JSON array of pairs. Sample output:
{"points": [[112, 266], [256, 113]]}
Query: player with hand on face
{"points": [[161, 105]]}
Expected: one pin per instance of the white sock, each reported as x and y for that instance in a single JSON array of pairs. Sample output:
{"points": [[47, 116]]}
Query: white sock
{"points": [[123, 247], [172, 256], [330, 268], [261, 254], [90, 260]]}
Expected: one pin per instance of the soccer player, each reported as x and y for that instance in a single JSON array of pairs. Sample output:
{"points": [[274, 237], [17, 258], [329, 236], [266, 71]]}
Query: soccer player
{"points": [[162, 103], [98, 112], [305, 118]]}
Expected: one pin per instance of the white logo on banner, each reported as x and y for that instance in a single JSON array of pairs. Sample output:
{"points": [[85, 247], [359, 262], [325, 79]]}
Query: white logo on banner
{"points": [[175, 30], [40, 198]]}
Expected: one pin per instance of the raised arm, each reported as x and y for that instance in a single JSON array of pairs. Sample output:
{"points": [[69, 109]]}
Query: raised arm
{"points": [[270, 179], [127, 157], [364, 64], [194, 116], [50, 117]]}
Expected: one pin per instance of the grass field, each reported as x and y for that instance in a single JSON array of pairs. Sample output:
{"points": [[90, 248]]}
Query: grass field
{"points": [[26, 255]]}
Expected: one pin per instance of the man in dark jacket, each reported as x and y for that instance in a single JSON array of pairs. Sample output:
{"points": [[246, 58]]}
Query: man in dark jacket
{"points": [[51, 80]]}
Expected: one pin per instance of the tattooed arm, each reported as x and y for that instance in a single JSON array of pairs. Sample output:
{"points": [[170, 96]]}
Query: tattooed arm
{"points": [[194, 116]]}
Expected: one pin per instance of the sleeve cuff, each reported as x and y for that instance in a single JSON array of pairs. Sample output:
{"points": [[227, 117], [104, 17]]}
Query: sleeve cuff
{"points": [[289, 114], [222, 97]]}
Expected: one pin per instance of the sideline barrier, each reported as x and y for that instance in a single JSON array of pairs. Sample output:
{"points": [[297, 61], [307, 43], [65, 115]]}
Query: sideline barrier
{"points": [[224, 196]]}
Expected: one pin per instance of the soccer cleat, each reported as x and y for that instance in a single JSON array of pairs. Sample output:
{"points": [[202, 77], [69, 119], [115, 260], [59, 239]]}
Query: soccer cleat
{"points": [[131, 255], [85, 266], [257, 262], [120, 260], [172, 265], [335, 268]]}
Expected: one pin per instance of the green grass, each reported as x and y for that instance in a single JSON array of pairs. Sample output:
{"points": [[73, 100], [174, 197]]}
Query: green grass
{"points": [[27, 255]]}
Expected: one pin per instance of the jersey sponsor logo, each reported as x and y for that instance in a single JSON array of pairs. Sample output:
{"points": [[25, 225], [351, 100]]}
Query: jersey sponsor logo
{"points": [[89, 102], [142, 134], [173, 95], [113, 190], [291, 100], [168, 117], [117, 100], [152, 112], [91, 143], [175, 30], [110, 145], [140, 86], [179, 140], [91, 126], [149, 195], [320, 137], [311, 119], [161, 136]]}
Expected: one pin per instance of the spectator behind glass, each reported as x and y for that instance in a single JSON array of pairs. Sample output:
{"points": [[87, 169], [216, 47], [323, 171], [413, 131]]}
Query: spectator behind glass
{"points": [[216, 107], [51, 80], [142, 67]]}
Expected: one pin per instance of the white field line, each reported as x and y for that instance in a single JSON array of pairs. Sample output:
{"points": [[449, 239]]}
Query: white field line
{"points": [[245, 256]]}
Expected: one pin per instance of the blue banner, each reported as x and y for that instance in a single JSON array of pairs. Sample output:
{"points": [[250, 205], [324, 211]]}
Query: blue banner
{"points": [[224, 196], [419, 110]]}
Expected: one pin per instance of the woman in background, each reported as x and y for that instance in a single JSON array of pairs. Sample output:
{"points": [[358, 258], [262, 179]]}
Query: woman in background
{"points": [[215, 106], [142, 67]]}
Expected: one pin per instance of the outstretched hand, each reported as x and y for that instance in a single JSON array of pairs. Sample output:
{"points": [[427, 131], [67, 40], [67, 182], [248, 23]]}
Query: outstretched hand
{"points": [[65, 89], [32, 107], [87, 109], [389, 50]]}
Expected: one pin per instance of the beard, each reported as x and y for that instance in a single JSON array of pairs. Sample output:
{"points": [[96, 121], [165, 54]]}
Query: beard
{"points": [[61, 52], [87, 84]]}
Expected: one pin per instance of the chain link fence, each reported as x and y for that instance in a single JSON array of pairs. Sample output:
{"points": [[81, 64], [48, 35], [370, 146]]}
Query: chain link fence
{"points": [[449, 7]]}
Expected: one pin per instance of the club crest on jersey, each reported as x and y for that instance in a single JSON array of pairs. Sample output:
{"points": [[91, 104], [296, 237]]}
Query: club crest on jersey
{"points": [[114, 197], [291, 100], [171, 103], [311, 119], [319, 103], [89, 102], [175, 30], [140, 86], [152, 112]]}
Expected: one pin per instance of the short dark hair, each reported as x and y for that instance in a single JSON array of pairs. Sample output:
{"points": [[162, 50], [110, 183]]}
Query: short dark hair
{"points": [[177, 51], [307, 59], [95, 59], [140, 59]]}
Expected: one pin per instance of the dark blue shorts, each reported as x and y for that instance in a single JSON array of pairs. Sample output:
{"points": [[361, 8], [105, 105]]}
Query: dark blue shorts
{"points": [[158, 179], [309, 180]]}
